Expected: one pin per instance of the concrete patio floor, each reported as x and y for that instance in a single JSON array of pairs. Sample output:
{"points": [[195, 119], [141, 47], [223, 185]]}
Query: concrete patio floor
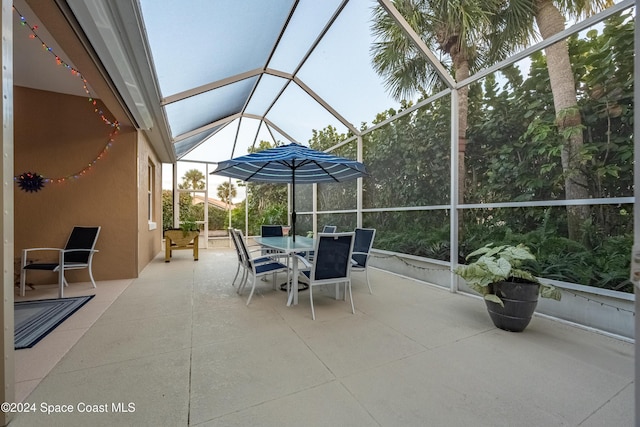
{"points": [[183, 349]]}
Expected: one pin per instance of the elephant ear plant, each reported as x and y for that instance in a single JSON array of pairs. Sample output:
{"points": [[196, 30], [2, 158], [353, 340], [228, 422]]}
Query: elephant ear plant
{"points": [[503, 263]]}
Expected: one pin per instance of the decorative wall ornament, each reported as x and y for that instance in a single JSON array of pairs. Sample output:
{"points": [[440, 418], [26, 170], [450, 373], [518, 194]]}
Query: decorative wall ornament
{"points": [[30, 182]]}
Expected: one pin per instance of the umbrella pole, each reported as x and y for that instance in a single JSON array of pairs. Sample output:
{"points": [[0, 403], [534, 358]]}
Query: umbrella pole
{"points": [[293, 202]]}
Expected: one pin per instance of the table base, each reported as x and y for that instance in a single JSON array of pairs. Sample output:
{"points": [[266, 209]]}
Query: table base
{"points": [[301, 287]]}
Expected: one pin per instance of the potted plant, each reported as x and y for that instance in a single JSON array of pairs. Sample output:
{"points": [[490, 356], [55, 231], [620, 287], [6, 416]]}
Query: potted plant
{"points": [[501, 275], [189, 226]]}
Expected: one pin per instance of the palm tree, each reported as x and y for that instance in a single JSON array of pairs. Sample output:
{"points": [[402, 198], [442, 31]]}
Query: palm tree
{"points": [[550, 20], [455, 28], [226, 192], [549, 16], [194, 179]]}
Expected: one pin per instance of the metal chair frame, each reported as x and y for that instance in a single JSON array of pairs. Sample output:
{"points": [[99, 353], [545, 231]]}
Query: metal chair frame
{"points": [[76, 255]]}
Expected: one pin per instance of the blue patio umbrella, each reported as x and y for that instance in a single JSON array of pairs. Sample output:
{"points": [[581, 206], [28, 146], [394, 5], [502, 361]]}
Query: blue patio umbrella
{"points": [[292, 163]]}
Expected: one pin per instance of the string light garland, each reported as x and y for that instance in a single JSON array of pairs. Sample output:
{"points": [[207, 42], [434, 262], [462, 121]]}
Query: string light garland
{"points": [[34, 182], [34, 36]]}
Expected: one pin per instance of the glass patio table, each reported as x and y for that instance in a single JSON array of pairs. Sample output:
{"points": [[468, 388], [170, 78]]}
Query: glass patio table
{"points": [[289, 246]]}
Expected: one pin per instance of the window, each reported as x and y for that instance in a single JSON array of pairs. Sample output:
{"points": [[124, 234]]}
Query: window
{"points": [[151, 170]]}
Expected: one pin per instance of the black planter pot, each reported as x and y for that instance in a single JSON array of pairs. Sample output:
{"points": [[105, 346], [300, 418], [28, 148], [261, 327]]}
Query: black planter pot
{"points": [[520, 300]]}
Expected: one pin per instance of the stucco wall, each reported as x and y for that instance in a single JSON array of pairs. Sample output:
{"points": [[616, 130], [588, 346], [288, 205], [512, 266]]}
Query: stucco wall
{"points": [[58, 135], [149, 232]]}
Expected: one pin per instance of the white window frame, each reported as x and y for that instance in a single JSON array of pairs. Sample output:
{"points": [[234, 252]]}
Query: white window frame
{"points": [[151, 179]]}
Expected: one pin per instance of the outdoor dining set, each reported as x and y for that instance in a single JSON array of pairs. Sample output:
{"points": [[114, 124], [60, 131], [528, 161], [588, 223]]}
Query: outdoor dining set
{"points": [[327, 259]]}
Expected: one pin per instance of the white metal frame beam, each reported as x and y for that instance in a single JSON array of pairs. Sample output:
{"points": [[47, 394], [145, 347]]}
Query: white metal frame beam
{"points": [[636, 208], [7, 373], [210, 86], [415, 38]]}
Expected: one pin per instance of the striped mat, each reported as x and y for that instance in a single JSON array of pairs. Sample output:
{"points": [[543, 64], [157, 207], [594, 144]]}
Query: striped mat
{"points": [[35, 319]]}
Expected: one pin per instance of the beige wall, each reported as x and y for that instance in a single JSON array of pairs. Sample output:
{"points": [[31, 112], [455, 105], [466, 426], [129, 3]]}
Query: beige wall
{"points": [[57, 135], [150, 238]]}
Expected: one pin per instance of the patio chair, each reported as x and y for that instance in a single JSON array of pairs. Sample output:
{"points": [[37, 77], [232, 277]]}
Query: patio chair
{"points": [[271, 231], [362, 251], [232, 236], [76, 255], [258, 266], [233, 233], [325, 229], [331, 264]]}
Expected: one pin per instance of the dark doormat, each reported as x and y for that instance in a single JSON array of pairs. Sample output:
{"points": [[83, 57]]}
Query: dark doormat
{"points": [[35, 319]]}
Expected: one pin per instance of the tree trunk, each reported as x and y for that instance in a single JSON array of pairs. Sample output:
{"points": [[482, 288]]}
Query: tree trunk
{"points": [[550, 21], [461, 70]]}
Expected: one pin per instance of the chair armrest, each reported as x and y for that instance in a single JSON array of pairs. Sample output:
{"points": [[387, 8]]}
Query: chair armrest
{"points": [[276, 257], [305, 261], [354, 262], [25, 251], [261, 258], [272, 252], [66, 251]]}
